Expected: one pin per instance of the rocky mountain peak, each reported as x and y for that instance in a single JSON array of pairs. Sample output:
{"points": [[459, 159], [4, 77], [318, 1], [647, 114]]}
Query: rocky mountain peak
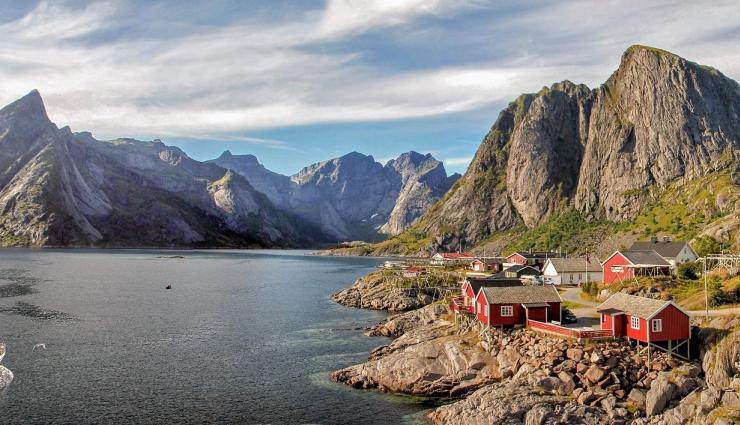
{"points": [[29, 107]]}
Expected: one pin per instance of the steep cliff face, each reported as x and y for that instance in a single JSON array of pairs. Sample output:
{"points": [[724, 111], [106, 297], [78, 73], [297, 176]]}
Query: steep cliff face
{"points": [[353, 196], [606, 152], [62, 189], [423, 181]]}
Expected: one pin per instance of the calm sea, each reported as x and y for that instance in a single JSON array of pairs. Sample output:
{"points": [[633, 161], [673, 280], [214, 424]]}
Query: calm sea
{"points": [[242, 337]]}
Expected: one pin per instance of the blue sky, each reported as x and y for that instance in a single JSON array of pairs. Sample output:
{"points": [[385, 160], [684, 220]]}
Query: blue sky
{"points": [[295, 82]]}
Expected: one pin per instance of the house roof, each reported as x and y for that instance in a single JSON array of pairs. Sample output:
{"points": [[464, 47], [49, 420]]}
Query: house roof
{"points": [[479, 282], [490, 260], [571, 265], [521, 295], [669, 249], [541, 254], [645, 258], [518, 267], [641, 307], [456, 255]]}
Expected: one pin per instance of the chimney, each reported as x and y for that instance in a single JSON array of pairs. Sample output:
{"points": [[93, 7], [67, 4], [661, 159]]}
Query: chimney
{"points": [[654, 239]]}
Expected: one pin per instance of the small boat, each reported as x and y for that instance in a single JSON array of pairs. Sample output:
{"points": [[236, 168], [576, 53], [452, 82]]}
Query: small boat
{"points": [[2, 351], [168, 287]]}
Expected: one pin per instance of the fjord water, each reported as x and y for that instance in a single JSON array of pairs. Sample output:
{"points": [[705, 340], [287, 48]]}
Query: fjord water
{"points": [[242, 337]]}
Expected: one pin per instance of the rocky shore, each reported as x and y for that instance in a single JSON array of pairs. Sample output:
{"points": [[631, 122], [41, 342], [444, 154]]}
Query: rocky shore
{"points": [[524, 377], [381, 291]]}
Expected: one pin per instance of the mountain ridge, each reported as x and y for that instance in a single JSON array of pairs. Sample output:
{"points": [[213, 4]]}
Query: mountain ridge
{"points": [[604, 153]]}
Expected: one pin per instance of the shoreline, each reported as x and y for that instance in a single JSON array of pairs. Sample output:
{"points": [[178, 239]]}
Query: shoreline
{"points": [[600, 383]]}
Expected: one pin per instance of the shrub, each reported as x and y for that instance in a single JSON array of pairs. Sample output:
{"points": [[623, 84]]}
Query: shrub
{"points": [[704, 245], [689, 270]]}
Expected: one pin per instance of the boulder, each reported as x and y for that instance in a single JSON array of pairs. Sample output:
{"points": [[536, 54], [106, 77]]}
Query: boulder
{"points": [[594, 374], [6, 377], [567, 385], [637, 397], [538, 414], [548, 384], [586, 397], [661, 392], [574, 354]]}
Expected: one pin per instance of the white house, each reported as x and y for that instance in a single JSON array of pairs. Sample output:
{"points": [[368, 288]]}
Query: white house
{"points": [[571, 271], [675, 252]]}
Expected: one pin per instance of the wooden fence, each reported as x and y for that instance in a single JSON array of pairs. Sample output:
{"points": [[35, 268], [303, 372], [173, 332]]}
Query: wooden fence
{"points": [[568, 332]]}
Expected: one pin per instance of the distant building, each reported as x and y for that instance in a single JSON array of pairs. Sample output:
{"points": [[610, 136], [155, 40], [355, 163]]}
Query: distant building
{"points": [[624, 265], [675, 252], [534, 259], [514, 305], [482, 265], [414, 271], [573, 271], [517, 271], [443, 258]]}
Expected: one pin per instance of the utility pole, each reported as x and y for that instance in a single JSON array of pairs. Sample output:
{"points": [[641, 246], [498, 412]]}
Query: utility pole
{"points": [[706, 290]]}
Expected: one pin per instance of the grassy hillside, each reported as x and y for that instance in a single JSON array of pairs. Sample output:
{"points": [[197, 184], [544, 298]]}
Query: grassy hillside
{"points": [[683, 210]]}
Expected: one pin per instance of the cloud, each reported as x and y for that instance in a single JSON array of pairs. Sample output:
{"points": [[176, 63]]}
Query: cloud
{"points": [[457, 161], [103, 70], [355, 16]]}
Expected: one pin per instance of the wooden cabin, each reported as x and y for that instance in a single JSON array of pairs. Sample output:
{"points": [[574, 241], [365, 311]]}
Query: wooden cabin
{"points": [[625, 265], [675, 252], [514, 305], [654, 322]]}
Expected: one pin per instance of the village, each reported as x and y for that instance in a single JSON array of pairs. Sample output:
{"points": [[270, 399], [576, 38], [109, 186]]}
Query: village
{"points": [[601, 334]]}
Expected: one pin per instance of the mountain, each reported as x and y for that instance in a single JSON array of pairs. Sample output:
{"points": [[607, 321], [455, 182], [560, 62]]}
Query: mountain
{"points": [[654, 149], [353, 196], [60, 188]]}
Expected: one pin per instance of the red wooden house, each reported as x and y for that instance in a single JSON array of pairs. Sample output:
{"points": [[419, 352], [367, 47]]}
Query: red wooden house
{"points": [[514, 305], [535, 259], [658, 323], [486, 265], [624, 265], [470, 287]]}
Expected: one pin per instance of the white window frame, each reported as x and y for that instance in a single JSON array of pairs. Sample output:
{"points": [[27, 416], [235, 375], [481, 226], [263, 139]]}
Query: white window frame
{"points": [[656, 325], [487, 311], [507, 309], [635, 322]]}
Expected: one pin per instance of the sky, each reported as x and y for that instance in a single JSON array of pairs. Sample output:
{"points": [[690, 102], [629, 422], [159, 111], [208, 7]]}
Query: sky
{"points": [[296, 82]]}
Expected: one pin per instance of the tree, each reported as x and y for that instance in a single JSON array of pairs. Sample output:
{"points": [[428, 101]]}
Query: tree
{"points": [[705, 244], [716, 294]]}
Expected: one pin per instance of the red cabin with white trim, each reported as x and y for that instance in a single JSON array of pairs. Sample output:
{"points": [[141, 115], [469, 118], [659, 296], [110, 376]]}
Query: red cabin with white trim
{"points": [[644, 319], [625, 265], [513, 305]]}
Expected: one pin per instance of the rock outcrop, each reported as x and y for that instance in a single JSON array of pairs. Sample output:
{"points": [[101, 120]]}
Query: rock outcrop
{"points": [[605, 152], [431, 361], [353, 196], [399, 324], [387, 291]]}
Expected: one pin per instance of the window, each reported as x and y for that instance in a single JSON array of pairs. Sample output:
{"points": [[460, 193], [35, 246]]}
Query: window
{"points": [[617, 269], [635, 322], [603, 317], [507, 311], [487, 311], [657, 325]]}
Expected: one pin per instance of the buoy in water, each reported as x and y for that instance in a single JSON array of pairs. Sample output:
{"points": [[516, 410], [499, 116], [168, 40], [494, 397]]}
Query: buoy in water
{"points": [[168, 287]]}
